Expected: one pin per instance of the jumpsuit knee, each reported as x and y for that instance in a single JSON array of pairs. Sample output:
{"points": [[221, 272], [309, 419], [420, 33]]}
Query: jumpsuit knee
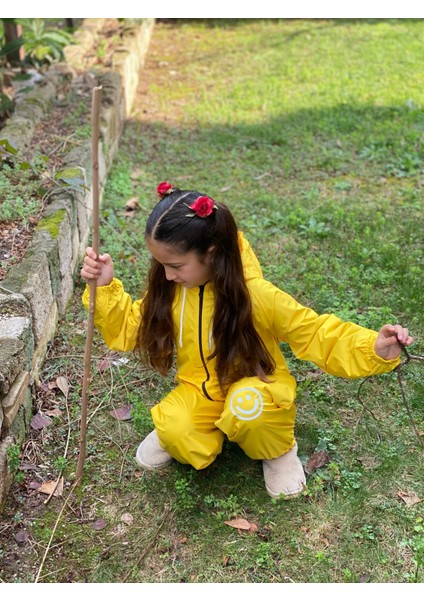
{"points": [[259, 417], [185, 424]]}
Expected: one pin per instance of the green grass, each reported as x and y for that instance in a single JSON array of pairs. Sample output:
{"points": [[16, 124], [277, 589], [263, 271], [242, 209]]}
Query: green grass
{"points": [[311, 131]]}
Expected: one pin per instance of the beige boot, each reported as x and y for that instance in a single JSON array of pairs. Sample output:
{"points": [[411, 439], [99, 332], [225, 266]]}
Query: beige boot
{"points": [[284, 475], [150, 454]]}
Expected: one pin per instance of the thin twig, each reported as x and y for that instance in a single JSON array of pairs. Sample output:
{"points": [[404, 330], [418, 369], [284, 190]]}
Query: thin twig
{"points": [[54, 531], [408, 359], [408, 410], [358, 396]]}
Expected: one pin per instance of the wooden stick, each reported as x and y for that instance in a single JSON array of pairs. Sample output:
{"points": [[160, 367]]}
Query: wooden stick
{"points": [[92, 284]]}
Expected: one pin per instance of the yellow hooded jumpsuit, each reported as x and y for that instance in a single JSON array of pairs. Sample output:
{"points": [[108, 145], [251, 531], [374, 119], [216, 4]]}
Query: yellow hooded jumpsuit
{"points": [[192, 419]]}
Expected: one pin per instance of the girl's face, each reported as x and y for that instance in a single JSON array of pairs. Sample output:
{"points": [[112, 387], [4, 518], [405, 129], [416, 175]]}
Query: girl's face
{"points": [[185, 268]]}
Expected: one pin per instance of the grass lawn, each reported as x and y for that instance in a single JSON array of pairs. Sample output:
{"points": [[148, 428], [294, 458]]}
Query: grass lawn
{"points": [[311, 131]]}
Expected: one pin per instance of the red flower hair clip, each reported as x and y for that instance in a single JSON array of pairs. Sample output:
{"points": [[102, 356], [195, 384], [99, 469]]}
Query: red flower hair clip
{"points": [[164, 189], [202, 207]]}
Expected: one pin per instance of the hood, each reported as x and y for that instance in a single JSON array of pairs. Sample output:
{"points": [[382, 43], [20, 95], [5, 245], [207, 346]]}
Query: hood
{"points": [[251, 266]]}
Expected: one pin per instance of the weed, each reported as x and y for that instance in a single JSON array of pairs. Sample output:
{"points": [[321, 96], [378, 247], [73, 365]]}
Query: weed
{"points": [[416, 544], [60, 463], [224, 508], [13, 460], [185, 494], [141, 417]]}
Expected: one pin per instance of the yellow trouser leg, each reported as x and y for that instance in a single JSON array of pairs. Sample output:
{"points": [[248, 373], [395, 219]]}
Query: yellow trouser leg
{"points": [[185, 423], [257, 419]]}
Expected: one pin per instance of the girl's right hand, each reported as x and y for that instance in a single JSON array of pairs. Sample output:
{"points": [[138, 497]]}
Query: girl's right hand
{"points": [[100, 268]]}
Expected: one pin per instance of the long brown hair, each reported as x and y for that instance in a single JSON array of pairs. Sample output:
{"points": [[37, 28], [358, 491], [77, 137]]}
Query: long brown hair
{"points": [[238, 349]]}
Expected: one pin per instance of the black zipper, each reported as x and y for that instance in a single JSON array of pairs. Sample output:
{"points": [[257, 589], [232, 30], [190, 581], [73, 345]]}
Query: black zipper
{"points": [[201, 290]]}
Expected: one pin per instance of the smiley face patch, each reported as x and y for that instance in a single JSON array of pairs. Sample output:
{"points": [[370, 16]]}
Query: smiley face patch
{"points": [[246, 404]]}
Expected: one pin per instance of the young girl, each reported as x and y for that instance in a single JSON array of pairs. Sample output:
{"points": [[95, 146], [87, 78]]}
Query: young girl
{"points": [[208, 304]]}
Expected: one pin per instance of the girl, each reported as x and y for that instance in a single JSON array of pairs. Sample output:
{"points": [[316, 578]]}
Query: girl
{"points": [[207, 302]]}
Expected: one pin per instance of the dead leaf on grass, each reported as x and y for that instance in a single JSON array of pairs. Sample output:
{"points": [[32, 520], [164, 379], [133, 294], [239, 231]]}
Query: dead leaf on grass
{"points": [[182, 539], [55, 412], [123, 413], [62, 384], [103, 365], [316, 461], [34, 485], [313, 375], [410, 498], [99, 524], [242, 524], [127, 518], [40, 421], [21, 536], [131, 205], [54, 488]]}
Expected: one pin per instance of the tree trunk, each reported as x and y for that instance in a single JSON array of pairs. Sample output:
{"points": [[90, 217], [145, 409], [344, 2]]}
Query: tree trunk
{"points": [[13, 31]]}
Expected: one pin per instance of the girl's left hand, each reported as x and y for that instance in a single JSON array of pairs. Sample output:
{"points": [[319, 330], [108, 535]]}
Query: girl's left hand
{"points": [[387, 344]]}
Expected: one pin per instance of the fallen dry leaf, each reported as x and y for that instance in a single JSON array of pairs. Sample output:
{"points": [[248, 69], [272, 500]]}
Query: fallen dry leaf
{"points": [[313, 375], [182, 539], [99, 524], [45, 387], [50, 487], [243, 524], [55, 412], [127, 518], [40, 421], [62, 384], [317, 460], [34, 485], [123, 413], [132, 204], [410, 498], [28, 466], [103, 365], [21, 536]]}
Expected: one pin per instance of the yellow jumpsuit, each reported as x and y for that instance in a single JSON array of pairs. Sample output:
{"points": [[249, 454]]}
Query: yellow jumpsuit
{"points": [[192, 419]]}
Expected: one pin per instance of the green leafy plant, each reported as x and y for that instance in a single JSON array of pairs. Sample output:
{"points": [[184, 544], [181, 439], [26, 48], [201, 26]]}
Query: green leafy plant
{"points": [[186, 499], [14, 460], [42, 44]]}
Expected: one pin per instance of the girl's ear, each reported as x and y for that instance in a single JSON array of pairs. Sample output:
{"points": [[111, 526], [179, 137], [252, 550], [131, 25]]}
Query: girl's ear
{"points": [[210, 254]]}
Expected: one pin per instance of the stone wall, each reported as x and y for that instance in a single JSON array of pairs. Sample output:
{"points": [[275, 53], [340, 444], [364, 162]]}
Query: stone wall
{"points": [[35, 293]]}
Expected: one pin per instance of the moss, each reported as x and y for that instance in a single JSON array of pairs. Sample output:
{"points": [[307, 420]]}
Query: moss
{"points": [[52, 223]]}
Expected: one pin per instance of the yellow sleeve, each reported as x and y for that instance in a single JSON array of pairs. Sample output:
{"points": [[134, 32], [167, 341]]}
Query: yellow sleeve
{"points": [[116, 316], [338, 347]]}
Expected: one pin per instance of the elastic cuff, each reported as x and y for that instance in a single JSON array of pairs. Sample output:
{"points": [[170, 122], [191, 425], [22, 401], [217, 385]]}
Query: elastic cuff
{"points": [[371, 354], [114, 287]]}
